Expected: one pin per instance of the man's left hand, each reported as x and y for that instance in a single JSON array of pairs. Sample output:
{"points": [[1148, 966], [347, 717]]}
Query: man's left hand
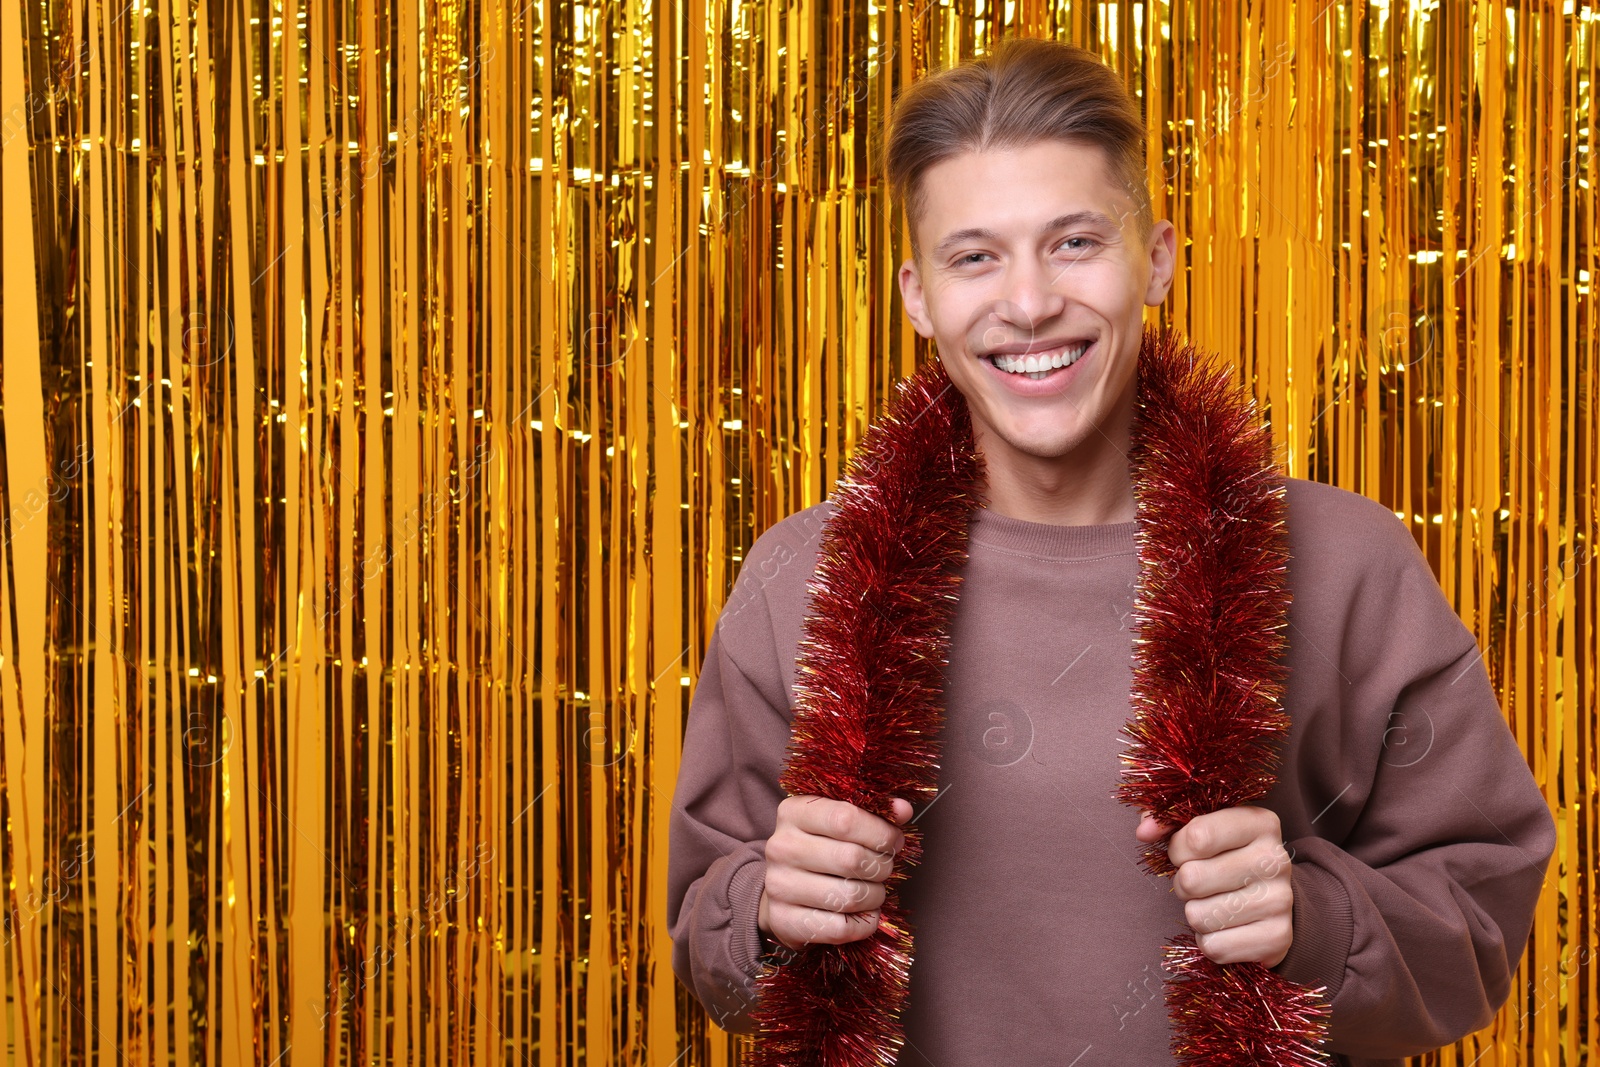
{"points": [[1234, 876]]}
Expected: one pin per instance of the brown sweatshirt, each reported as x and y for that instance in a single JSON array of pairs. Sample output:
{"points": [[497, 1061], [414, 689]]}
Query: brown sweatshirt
{"points": [[1418, 836]]}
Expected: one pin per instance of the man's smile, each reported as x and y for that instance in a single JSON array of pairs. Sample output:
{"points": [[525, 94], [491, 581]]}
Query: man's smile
{"points": [[1045, 370], [1038, 360]]}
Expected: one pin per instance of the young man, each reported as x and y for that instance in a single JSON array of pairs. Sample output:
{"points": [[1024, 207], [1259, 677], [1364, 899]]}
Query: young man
{"points": [[1396, 862]]}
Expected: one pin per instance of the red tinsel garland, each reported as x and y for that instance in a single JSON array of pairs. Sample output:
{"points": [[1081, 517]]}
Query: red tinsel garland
{"points": [[1211, 604], [1210, 607]]}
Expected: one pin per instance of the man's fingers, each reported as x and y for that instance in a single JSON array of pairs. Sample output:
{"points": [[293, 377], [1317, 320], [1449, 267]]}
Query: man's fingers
{"points": [[1150, 831], [1199, 879], [826, 863], [824, 855], [810, 890], [799, 926], [1263, 861], [1219, 831], [845, 859], [1257, 942], [843, 822], [1260, 900]]}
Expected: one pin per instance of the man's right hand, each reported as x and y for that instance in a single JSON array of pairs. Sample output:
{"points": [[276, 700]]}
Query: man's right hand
{"points": [[826, 864]]}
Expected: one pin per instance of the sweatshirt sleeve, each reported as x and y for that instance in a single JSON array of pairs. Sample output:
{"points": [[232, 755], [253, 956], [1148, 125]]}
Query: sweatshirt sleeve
{"points": [[1416, 885], [724, 809]]}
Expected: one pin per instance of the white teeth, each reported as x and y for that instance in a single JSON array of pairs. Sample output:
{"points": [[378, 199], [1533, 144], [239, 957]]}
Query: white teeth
{"points": [[1038, 365]]}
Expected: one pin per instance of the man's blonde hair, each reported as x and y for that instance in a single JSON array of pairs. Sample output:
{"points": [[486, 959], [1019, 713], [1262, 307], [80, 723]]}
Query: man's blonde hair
{"points": [[1027, 91]]}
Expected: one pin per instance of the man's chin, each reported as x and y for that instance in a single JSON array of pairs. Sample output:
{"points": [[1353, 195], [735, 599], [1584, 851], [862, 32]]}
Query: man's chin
{"points": [[1032, 448]]}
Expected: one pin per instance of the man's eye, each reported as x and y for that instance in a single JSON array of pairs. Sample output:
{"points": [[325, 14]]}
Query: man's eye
{"points": [[1087, 242], [972, 257]]}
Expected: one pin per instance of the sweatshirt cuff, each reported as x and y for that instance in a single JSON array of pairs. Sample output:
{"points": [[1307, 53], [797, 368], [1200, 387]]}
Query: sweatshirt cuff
{"points": [[744, 906], [1323, 928]]}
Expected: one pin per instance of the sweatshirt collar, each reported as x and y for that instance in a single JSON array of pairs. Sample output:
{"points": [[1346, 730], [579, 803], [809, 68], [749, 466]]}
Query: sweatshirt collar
{"points": [[1049, 541]]}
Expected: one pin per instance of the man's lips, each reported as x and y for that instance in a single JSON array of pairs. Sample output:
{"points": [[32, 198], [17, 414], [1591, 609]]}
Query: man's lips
{"points": [[1045, 379], [1023, 348], [1035, 362]]}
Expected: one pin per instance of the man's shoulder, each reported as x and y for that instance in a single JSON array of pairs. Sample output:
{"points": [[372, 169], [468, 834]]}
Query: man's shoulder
{"points": [[801, 530], [1346, 528], [1359, 578], [776, 570], [1320, 502]]}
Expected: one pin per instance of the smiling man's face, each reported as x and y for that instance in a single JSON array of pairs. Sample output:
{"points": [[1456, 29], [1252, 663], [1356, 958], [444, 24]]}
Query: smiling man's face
{"points": [[1032, 258]]}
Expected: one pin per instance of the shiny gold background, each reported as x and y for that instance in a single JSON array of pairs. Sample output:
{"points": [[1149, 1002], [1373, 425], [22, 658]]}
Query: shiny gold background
{"points": [[389, 395]]}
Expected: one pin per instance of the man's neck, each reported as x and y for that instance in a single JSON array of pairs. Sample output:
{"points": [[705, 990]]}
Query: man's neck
{"points": [[1091, 487]]}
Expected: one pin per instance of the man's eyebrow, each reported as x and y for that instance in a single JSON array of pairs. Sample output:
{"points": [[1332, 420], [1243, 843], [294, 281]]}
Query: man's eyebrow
{"points": [[1060, 222]]}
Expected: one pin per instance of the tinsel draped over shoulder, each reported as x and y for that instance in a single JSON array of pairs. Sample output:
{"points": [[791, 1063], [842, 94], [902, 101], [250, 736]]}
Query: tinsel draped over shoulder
{"points": [[1210, 607], [870, 687]]}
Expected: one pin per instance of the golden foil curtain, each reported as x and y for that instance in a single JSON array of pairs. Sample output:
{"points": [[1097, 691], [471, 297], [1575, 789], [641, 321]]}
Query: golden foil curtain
{"points": [[389, 394]]}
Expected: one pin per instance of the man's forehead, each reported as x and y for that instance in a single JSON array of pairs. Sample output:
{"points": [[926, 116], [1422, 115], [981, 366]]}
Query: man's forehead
{"points": [[1033, 200]]}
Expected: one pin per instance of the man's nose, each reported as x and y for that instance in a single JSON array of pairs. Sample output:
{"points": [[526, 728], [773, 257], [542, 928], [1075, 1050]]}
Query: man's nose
{"points": [[1033, 293]]}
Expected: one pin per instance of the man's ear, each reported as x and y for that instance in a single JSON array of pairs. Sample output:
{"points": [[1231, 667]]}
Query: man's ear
{"points": [[1163, 262], [911, 294]]}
